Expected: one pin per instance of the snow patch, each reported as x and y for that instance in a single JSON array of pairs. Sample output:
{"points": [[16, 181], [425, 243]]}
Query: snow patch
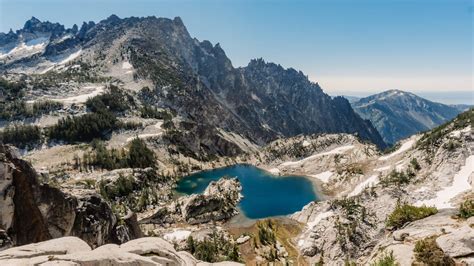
{"points": [[65, 37], [255, 97], [382, 169], [83, 97], [126, 65], [274, 171], [144, 136], [149, 135], [178, 235], [26, 49], [460, 184], [457, 133], [405, 146], [71, 57], [370, 182], [399, 167], [324, 176], [334, 151]]}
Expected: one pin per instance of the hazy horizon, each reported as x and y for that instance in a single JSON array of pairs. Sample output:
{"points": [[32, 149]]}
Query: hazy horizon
{"points": [[355, 48], [445, 97]]}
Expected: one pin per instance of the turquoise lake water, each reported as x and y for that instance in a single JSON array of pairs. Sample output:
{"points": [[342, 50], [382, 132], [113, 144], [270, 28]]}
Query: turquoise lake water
{"points": [[265, 195]]}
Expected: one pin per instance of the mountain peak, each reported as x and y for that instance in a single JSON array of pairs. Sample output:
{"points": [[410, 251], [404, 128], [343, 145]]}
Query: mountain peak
{"points": [[31, 23], [33, 20], [178, 21], [405, 113], [113, 17]]}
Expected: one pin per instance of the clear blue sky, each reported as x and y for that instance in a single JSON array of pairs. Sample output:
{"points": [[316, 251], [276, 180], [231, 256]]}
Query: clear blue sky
{"points": [[348, 46]]}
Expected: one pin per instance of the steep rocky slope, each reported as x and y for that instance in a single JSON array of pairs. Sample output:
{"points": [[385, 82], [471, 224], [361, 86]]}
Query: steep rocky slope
{"points": [[193, 79], [433, 169], [398, 114], [32, 211]]}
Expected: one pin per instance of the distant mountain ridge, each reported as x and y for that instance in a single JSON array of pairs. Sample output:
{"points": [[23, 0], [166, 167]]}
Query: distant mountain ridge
{"points": [[398, 114], [261, 102]]}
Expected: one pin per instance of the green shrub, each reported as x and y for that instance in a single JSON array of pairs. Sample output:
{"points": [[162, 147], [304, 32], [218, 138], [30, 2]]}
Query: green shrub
{"points": [[214, 249], [427, 251], [452, 145], [45, 107], [266, 235], [21, 136], [387, 259], [130, 125], [397, 178], [191, 247], [407, 213], [433, 139], [148, 111], [466, 209], [414, 163], [122, 187], [349, 206]]}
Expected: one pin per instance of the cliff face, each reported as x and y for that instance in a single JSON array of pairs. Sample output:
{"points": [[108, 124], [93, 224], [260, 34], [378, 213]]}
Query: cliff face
{"points": [[33, 212]]}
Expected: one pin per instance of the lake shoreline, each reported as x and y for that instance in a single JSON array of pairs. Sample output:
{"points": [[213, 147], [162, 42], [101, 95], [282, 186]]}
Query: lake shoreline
{"points": [[284, 194]]}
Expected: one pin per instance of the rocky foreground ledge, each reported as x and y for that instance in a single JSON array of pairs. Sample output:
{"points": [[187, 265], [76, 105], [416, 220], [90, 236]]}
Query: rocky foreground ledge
{"points": [[74, 251]]}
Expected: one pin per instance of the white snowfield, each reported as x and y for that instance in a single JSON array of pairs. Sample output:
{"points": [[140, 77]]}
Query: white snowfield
{"points": [[383, 168], [157, 126], [61, 61], [405, 146], [460, 184], [369, 182], [26, 49], [334, 151], [324, 176], [274, 171], [96, 90], [177, 235], [70, 57]]}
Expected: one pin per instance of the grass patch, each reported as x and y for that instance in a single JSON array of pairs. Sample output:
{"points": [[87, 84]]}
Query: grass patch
{"points": [[427, 252], [387, 259]]}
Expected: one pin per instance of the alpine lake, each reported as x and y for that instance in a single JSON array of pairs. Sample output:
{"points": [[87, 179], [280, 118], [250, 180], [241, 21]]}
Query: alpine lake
{"points": [[264, 195]]}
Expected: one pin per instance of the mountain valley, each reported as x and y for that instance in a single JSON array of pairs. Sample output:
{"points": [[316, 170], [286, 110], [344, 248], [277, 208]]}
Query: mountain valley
{"points": [[100, 123]]}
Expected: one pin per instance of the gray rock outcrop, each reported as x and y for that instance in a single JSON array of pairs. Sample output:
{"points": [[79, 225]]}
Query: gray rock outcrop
{"points": [[33, 212], [459, 243], [218, 202], [74, 251]]}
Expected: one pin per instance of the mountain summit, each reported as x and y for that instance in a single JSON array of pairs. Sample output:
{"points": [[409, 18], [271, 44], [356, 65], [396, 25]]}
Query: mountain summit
{"points": [[194, 79], [398, 114]]}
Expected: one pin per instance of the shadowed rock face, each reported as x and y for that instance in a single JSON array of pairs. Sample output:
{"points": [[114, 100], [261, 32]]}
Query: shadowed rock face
{"points": [[33, 212]]}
